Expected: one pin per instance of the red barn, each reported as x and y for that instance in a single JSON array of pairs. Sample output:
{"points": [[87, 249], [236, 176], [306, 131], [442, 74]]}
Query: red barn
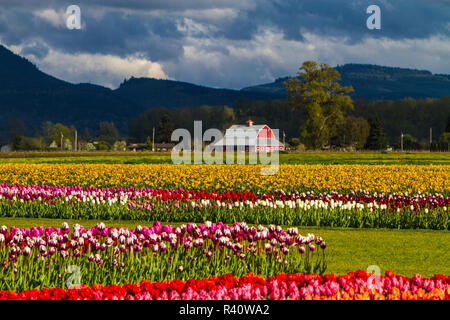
{"points": [[251, 138]]}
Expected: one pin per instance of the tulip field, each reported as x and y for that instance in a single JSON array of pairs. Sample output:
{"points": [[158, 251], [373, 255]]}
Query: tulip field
{"points": [[213, 232]]}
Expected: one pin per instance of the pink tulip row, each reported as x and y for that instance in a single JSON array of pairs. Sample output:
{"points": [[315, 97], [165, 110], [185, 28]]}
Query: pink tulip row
{"points": [[188, 235], [155, 252]]}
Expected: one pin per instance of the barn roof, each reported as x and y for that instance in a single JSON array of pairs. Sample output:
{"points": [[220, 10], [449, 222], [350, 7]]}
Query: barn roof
{"points": [[243, 135], [243, 126], [244, 131], [244, 141]]}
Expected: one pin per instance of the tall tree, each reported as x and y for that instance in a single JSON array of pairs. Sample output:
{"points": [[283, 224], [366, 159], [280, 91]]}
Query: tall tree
{"points": [[16, 128], [46, 129], [294, 142], [148, 144], [86, 136], [17, 142], [447, 127], [165, 129], [59, 129], [353, 131], [107, 132], [322, 98], [377, 138]]}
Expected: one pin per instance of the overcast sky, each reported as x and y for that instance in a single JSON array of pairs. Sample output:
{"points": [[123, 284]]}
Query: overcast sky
{"points": [[222, 43]]}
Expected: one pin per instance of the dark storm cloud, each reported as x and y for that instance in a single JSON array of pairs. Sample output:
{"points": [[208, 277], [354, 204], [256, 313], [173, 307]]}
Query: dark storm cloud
{"points": [[401, 19], [120, 34], [112, 32], [129, 4]]}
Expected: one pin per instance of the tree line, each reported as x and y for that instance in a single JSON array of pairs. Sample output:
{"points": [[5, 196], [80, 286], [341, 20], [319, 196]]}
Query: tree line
{"points": [[57, 136]]}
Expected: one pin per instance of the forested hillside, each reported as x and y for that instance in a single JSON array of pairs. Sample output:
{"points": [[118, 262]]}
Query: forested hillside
{"points": [[378, 83]]}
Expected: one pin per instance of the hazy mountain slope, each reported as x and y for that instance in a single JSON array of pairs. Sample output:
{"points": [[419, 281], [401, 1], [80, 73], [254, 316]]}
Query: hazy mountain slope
{"points": [[378, 83]]}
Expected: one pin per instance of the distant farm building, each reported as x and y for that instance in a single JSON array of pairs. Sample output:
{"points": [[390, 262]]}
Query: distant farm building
{"points": [[6, 148], [136, 147], [161, 147], [249, 138], [164, 147]]}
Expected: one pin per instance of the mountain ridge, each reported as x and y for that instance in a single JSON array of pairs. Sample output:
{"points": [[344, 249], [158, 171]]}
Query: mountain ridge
{"points": [[376, 82]]}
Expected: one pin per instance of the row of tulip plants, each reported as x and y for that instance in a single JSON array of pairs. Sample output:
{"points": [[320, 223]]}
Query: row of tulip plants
{"points": [[39, 257], [356, 285], [358, 209]]}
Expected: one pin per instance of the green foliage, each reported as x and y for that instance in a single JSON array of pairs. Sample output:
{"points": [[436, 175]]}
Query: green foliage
{"points": [[443, 144], [322, 98], [119, 145], [165, 129], [377, 138], [140, 127], [148, 144], [58, 130], [407, 115], [445, 137], [413, 116], [152, 93], [351, 132], [21, 143], [47, 131], [86, 146], [107, 132], [86, 136], [294, 142], [409, 143], [103, 145]]}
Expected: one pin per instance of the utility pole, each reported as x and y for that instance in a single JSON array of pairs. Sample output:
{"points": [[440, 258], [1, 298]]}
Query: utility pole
{"points": [[153, 141], [62, 141], [431, 137], [76, 141], [284, 139], [401, 141]]}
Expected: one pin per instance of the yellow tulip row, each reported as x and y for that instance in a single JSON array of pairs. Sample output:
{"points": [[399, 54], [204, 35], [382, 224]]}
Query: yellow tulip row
{"points": [[382, 178]]}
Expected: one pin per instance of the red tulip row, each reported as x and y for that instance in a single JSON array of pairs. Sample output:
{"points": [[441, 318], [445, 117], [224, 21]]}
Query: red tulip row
{"points": [[136, 196], [355, 285]]}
